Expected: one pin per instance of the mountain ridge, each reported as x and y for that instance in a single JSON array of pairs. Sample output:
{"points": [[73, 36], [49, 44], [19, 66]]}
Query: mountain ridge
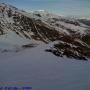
{"points": [[73, 35]]}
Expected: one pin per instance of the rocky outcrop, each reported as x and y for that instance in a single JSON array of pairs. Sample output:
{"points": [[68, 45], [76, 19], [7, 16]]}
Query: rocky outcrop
{"points": [[73, 35]]}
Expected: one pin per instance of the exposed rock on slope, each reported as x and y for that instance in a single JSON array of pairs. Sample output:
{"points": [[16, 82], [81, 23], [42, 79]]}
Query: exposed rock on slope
{"points": [[72, 35]]}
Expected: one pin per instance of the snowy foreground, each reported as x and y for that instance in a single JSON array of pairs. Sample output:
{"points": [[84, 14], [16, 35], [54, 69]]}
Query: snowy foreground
{"points": [[43, 71]]}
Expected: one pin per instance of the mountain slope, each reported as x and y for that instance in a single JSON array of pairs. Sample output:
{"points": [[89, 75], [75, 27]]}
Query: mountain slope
{"points": [[72, 35]]}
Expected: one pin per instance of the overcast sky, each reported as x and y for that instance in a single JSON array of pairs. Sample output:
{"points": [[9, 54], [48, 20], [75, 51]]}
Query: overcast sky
{"points": [[65, 7]]}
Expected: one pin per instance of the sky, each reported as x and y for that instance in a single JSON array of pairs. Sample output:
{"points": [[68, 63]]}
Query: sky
{"points": [[63, 7]]}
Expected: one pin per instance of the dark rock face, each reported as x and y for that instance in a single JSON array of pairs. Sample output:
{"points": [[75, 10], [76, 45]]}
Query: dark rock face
{"points": [[1, 31], [39, 29], [25, 25], [86, 39], [71, 50], [85, 21], [73, 45]]}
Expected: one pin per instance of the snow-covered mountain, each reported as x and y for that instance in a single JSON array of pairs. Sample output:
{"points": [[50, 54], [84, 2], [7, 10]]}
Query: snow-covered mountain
{"points": [[64, 36]]}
